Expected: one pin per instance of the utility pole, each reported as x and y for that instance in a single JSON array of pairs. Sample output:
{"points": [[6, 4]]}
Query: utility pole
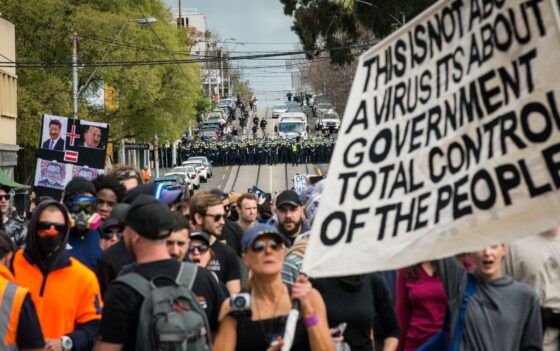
{"points": [[222, 71], [156, 155], [75, 75], [180, 22]]}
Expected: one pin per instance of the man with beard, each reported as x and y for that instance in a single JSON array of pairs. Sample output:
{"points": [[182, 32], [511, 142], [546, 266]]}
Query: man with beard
{"points": [[65, 292], [208, 216], [289, 210]]}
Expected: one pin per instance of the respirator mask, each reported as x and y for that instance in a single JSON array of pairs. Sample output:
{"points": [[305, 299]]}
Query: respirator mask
{"points": [[83, 215]]}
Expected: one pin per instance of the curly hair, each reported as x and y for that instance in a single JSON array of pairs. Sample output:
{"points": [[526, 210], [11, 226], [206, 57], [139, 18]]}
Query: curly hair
{"points": [[109, 182]]}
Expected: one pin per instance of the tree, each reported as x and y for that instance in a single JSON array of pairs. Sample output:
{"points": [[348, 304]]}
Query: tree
{"points": [[335, 25], [243, 89], [149, 99]]}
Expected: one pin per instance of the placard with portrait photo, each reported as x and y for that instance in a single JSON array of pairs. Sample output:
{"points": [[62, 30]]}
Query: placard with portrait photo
{"points": [[53, 136]]}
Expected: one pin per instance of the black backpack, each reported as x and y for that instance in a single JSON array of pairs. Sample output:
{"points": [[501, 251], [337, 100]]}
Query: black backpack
{"points": [[171, 319]]}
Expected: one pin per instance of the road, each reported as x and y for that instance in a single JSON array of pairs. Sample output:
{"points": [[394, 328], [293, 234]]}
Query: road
{"points": [[267, 178]]}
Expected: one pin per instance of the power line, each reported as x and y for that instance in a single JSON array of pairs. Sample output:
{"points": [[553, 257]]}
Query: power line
{"points": [[176, 61], [159, 39]]}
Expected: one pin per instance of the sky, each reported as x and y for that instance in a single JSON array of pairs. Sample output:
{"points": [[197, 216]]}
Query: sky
{"points": [[250, 22]]}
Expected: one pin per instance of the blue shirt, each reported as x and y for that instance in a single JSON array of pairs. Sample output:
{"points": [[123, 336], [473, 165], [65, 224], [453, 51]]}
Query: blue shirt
{"points": [[85, 248]]}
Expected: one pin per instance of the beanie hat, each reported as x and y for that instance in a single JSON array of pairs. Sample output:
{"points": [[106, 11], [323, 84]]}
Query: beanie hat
{"points": [[79, 185]]}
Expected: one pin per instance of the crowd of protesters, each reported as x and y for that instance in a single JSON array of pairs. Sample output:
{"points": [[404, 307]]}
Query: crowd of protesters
{"points": [[66, 277]]}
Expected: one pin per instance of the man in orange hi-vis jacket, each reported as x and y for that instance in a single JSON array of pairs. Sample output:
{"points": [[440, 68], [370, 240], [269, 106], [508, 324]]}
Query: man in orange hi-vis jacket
{"points": [[65, 292]]}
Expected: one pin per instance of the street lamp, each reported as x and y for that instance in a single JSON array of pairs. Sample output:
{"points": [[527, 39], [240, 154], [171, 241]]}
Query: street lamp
{"points": [[77, 92]]}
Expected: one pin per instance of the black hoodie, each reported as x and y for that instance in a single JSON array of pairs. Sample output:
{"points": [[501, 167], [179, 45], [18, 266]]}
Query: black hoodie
{"points": [[60, 258], [83, 336]]}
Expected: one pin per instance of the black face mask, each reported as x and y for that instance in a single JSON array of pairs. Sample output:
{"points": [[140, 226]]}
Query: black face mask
{"points": [[48, 245]]}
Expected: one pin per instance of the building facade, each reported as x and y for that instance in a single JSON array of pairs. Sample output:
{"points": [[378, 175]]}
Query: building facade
{"points": [[8, 99]]}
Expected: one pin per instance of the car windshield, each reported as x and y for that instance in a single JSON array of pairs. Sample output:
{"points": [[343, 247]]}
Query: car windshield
{"points": [[201, 159], [214, 119], [280, 107], [287, 127]]}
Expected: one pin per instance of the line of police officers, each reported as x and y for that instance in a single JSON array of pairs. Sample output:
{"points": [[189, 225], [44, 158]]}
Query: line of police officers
{"points": [[261, 151]]}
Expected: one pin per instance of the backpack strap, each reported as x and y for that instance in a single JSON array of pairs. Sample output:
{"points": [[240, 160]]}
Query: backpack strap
{"points": [[137, 282], [186, 275], [459, 326]]}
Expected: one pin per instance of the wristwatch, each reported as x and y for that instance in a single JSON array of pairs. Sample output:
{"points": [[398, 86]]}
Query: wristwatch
{"points": [[67, 343]]}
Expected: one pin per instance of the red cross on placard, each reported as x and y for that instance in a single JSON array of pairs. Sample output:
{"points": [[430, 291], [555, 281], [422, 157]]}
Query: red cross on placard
{"points": [[73, 135]]}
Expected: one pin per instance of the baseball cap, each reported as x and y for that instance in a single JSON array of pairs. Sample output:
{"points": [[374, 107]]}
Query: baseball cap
{"points": [[149, 217], [109, 223], [288, 197], [160, 191], [257, 231], [200, 236]]}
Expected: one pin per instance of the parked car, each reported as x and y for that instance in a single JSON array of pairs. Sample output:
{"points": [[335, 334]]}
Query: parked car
{"points": [[191, 173], [177, 179], [206, 162], [200, 168]]}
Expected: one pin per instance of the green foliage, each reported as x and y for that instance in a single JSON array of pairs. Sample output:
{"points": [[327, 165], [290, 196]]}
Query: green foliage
{"points": [[337, 23], [243, 88], [150, 99]]}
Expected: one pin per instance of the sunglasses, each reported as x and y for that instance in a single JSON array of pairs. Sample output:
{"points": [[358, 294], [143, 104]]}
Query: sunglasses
{"points": [[201, 248], [59, 227], [78, 203], [5, 197], [216, 217], [111, 235], [260, 245], [126, 174]]}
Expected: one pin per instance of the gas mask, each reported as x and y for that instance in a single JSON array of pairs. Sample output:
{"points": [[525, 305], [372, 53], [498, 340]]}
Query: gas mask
{"points": [[82, 213]]}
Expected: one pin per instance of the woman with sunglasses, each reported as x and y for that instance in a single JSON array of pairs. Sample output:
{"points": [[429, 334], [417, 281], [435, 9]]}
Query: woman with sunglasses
{"points": [[260, 325]]}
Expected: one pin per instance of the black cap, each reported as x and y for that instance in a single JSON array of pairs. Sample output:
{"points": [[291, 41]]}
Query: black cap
{"points": [[200, 236], [109, 223], [78, 185], [149, 217], [288, 197]]}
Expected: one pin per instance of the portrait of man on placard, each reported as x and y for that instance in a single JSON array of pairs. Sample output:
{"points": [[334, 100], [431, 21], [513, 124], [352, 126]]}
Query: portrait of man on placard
{"points": [[52, 175], [54, 133], [93, 137], [86, 172]]}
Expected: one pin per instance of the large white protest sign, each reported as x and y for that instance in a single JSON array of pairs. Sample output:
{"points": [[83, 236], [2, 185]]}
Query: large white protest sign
{"points": [[450, 140]]}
